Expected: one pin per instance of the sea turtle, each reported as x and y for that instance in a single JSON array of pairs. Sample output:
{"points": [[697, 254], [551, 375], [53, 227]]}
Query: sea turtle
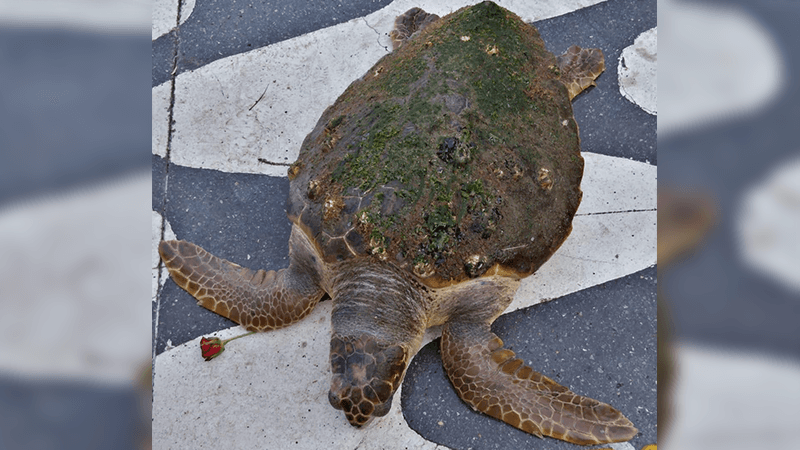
{"points": [[432, 185]]}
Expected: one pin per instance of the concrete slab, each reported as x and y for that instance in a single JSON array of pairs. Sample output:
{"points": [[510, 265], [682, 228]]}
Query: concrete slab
{"points": [[637, 71], [160, 118], [165, 15]]}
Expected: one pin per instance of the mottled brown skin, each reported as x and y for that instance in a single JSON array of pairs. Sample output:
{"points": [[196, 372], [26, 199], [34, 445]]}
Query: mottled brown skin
{"points": [[518, 208], [258, 300], [579, 68], [471, 350]]}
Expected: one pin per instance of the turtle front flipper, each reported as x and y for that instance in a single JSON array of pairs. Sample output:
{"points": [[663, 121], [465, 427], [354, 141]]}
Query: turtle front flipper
{"points": [[491, 380], [579, 68], [258, 300], [408, 23]]}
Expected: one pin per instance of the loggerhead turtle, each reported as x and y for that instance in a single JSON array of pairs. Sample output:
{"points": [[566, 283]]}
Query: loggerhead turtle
{"points": [[432, 185]]}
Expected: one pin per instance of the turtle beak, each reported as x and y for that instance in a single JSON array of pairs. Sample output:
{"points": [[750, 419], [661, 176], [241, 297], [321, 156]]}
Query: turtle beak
{"points": [[361, 413], [365, 376]]}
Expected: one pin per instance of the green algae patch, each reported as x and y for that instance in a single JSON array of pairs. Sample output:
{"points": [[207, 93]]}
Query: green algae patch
{"points": [[440, 149], [485, 45]]}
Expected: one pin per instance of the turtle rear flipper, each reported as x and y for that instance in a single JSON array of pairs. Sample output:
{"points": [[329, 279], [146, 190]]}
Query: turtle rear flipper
{"points": [[579, 68], [491, 380], [258, 300]]}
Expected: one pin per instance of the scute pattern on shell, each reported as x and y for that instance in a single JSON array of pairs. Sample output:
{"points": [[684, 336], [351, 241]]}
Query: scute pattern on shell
{"points": [[434, 158]]}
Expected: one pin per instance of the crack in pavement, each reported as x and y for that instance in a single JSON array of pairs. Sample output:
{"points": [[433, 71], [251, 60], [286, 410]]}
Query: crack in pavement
{"points": [[617, 212], [378, 40]]}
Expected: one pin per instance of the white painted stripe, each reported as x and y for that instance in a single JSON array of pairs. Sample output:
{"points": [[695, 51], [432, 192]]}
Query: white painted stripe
{"points": [[72, 271], [767, 224], [160, 118], [165, 14], [718, 391], [616, 184], [720, 63], [221, 124], [620, 446], [110, 16], [636, 71]]}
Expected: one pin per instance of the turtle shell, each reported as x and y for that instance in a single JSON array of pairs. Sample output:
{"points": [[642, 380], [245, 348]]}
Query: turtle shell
{"points": [[455, 156]]}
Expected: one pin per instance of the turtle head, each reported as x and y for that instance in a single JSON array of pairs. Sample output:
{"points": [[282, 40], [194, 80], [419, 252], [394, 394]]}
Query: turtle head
{"points": [[366, 373]]}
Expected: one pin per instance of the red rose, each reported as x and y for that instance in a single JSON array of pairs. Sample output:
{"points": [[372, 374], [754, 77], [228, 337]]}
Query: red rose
{"points": [[210, 348]]}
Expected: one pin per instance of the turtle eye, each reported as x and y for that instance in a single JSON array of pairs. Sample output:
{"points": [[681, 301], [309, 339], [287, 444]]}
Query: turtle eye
{"points": [[335, 400]]}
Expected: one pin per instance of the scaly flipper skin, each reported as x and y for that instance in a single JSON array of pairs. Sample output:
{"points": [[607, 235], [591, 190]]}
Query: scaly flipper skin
{"points": [[579, 68], [491, 380], [258, 300]]}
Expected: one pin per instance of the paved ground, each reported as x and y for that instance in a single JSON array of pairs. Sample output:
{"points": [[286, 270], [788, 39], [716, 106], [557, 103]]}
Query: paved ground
{"points": [[598, 337], [72, 185]]}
